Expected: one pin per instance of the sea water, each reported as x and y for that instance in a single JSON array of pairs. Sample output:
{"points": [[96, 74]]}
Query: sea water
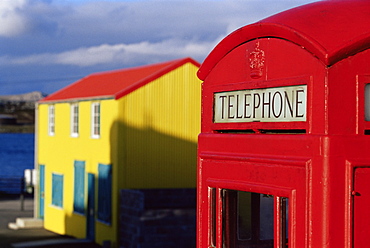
{"points": [[16, 154]]}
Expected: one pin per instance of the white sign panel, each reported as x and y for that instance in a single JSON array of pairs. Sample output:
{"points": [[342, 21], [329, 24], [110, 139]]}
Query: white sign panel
{"points": [[279, 104]]}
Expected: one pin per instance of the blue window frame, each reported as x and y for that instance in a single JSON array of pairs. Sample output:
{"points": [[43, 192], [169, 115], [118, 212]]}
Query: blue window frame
{"points": [[105, 193], [57, 190], [79, 187]]}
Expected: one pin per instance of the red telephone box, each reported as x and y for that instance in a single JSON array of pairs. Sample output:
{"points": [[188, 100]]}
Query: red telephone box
{"points": [[284, 152]]}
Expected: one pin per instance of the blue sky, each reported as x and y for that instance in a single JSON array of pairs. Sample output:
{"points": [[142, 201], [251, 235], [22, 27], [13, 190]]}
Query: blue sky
{"points": [[48, 44]]}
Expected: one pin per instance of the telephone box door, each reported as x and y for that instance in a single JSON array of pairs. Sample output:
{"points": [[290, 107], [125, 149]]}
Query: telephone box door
{"points": [[361, 211]]}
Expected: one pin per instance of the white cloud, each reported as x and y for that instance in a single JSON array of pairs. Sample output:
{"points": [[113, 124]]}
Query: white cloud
{"points": [[13, 22], [90, 56], [53, 39], [126, 34], [124, 54]]}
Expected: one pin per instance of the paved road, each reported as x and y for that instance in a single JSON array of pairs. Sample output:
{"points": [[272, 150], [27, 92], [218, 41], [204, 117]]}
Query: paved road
{"points": [[10, 209]]}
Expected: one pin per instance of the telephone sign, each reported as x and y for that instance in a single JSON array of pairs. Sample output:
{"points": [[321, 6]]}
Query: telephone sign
{"points": [[278, 104]]}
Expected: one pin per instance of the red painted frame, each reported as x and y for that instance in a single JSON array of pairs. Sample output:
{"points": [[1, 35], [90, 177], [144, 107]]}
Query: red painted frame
{"points": [[314, 169]]}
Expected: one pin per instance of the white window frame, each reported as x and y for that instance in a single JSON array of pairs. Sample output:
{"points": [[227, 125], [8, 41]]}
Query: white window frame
{"points": [[51, 120], [95, 120], [74, 119]]}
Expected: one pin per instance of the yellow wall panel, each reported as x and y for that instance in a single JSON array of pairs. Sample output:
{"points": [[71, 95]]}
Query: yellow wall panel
{"points": [[161, 122], [58, 154]]}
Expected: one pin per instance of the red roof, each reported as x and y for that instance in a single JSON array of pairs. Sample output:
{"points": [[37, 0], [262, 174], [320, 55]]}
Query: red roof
{"points": [[115, 84], [331, 30]]}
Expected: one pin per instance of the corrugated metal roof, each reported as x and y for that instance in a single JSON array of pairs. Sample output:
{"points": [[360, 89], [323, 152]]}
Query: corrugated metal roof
{"points": [[115, 84]]}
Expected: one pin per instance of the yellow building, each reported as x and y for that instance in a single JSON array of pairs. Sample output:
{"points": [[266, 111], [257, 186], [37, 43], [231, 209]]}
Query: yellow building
{"points": [[127, 129]]}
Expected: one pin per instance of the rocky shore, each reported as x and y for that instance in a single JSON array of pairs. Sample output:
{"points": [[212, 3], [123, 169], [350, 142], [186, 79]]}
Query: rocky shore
{"points": [[17, 112]]}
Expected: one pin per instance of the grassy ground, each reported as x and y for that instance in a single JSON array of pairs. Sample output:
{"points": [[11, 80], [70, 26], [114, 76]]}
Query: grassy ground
{"points": [[17, 129]]}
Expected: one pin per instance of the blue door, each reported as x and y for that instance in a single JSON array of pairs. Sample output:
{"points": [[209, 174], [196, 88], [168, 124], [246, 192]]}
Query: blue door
{"points": [[90, 215], [42, 191], [79, 188]]}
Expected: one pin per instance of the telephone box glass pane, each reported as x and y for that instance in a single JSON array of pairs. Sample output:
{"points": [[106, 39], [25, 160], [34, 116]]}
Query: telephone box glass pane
{"points": [[367, 102], [248, 220], [244, 215], [212, 217], [284, 210], [266, 217]]}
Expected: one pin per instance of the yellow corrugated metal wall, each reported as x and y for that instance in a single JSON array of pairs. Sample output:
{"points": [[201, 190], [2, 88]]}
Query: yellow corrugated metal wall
{"points": [[149, 136], [160, 123]]}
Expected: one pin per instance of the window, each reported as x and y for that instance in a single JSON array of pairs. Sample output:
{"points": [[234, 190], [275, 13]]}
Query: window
{"points": [[284, 210], [212, 216], [74, 120], [51, 124], [95, 120], [248, 220], [79, 187], [57, 190], [367, 102], [105, 193]]}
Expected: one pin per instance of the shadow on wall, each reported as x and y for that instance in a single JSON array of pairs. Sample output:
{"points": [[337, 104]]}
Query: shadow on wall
{"points": [[151, 159], [140, 159], [157, 173]]}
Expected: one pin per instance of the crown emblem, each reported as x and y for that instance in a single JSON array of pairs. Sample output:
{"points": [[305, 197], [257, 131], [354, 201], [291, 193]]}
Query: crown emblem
{"points": [[257, 61]]}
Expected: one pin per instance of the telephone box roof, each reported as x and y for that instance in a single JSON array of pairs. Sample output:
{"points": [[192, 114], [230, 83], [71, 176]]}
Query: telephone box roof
{"points": [[115, 84], [331, 30]]}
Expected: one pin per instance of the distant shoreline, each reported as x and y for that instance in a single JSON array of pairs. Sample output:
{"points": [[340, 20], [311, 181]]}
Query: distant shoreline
{"points": [[17, 129]]}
